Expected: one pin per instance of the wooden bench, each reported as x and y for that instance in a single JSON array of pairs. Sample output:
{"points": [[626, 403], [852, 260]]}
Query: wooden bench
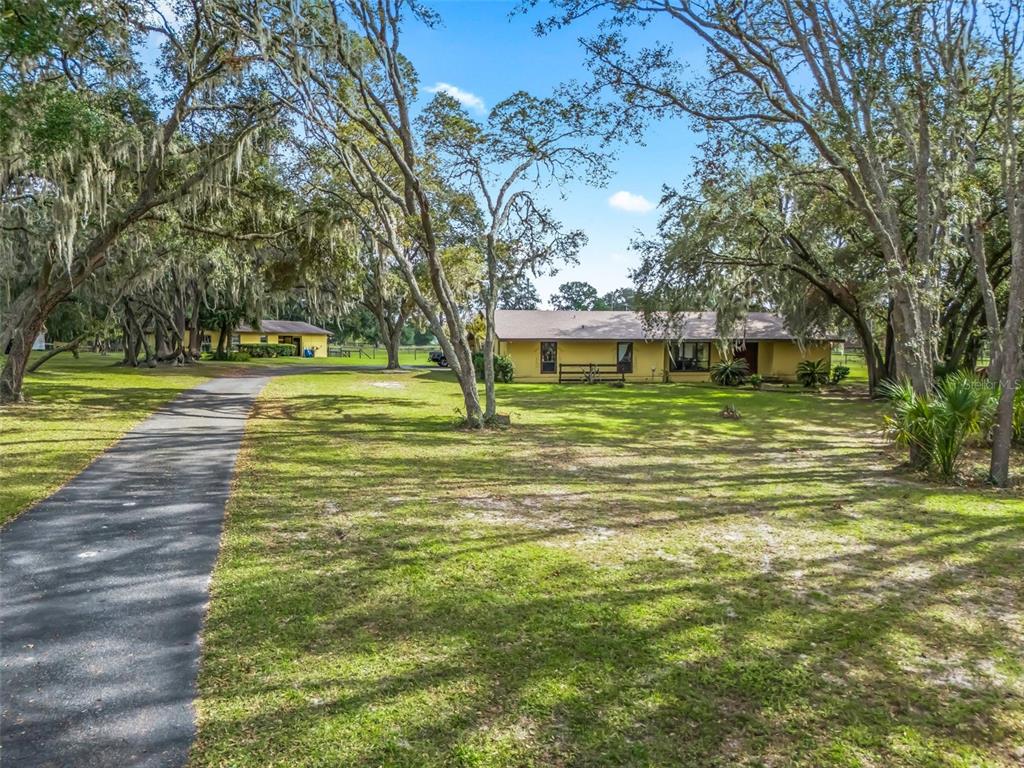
{"points": [[588, 373]]}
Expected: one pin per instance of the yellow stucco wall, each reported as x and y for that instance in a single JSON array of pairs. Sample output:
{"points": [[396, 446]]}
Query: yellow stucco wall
{"points": [[318, 341], [775, 359], [780, 358], [526, 358]]}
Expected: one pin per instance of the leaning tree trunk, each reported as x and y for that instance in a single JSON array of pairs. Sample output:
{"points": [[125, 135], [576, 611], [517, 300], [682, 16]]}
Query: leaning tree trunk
{"points": [[71, 346], [872, 355], [20, 347], [451, 336], [24, 323]]}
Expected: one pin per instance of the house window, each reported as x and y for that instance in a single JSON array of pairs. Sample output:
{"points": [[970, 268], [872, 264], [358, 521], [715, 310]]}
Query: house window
{"points": [[236, 339], [263, 339], [689, 356], [624, 357], [549, 357]]}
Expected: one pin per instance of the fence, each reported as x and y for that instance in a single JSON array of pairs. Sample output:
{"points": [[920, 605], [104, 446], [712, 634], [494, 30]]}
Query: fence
{"points": [[373, 353]]}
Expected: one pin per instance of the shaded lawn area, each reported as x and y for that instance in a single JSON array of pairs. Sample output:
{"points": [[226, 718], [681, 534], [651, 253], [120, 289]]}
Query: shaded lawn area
{"points": [[621, 579], [76, 409]]}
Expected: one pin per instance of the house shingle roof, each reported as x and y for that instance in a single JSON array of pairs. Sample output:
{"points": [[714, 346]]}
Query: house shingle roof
{"points": [[554, 325], [294, 327]]}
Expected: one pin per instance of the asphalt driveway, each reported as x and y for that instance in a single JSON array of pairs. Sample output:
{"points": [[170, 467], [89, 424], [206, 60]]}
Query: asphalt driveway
{"points": [[103, 589]]}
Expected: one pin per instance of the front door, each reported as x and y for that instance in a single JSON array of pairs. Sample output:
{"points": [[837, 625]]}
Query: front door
{"points": [[749, 353]]}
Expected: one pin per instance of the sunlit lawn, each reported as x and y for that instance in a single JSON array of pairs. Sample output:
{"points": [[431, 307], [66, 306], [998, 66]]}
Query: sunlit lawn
{"points": [[76, 409], [623, 578]]}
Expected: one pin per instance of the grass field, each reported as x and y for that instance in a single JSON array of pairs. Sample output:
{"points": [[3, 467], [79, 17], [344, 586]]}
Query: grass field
{"points": [[371, 358], [623, 578], [76, 409]]}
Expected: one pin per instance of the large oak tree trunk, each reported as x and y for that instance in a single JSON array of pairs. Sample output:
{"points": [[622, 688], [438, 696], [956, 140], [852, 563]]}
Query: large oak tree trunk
{"points": [[25, 321], [22, 335], [392, 344]]}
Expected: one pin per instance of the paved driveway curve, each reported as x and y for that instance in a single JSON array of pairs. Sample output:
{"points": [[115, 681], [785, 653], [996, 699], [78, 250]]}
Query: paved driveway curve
{"points": [[104, 588]]}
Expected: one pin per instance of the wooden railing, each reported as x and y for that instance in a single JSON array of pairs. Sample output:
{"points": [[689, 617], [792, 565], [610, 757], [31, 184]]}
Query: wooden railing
{"points": [[589, 373]]}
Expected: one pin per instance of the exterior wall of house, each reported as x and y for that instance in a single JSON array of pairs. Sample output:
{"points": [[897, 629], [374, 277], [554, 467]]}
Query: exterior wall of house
{"points": [[647, 355], [316, 341], [779, 359], [775, 359], [694, 377]]}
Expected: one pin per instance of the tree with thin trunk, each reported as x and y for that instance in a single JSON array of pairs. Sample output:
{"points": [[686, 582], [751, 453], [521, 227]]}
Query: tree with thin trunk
{"points": [[386, 298], [340, 68], [526, 143], [1008, 31]]}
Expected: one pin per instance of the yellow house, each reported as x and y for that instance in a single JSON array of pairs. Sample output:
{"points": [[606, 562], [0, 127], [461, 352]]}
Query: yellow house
{"points": [[558, 346], [301, 335]]}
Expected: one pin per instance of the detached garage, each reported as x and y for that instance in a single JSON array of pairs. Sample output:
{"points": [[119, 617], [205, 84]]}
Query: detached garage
{"points": [[296, 333]]}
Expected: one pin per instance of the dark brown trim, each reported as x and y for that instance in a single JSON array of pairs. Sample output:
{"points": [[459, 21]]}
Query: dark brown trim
{"points": [[553, 363], [620, 366]]}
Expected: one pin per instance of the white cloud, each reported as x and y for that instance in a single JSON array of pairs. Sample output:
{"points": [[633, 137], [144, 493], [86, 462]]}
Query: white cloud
{"points": [[465, 98], [627, 201]]}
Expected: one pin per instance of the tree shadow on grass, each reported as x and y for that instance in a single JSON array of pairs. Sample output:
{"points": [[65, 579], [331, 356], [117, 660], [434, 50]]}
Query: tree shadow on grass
{"points": [[606, 585]]}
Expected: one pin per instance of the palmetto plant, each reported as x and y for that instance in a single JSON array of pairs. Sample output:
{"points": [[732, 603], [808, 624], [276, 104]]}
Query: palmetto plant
{"points": [[940, 423], [812, 373], [730, 373]]}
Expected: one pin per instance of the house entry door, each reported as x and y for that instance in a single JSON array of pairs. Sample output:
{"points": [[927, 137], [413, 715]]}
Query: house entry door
{"points": [[749, 353]]}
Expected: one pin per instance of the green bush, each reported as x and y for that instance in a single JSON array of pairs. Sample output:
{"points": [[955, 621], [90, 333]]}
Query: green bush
{"points": [[940, 424], [756, 380], [839, 372], [504, 370], [730, 373], [812, 373], [268, 350]]}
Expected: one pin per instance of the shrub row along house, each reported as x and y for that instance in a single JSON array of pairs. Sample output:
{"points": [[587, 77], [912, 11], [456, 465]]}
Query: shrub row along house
{"points": [[580, 346]]}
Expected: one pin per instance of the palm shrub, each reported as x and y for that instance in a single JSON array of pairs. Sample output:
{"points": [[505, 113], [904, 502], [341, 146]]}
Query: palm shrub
{"points": [[939, 424], [812, 373], [730, 373]]}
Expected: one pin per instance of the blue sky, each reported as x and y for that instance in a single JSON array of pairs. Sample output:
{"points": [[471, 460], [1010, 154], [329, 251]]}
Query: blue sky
{"points": [[485, 54]]}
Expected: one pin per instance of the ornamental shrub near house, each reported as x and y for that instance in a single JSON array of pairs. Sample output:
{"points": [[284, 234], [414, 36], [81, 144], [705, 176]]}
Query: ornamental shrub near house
{"points": [[268, 350], [813, 373], [504, 370], [839, 372], [730, 373]]}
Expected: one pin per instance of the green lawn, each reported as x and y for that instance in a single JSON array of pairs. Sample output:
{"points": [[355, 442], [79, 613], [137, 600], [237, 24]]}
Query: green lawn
{"points": [[857, 365], [76, 409], [623, 578]]}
